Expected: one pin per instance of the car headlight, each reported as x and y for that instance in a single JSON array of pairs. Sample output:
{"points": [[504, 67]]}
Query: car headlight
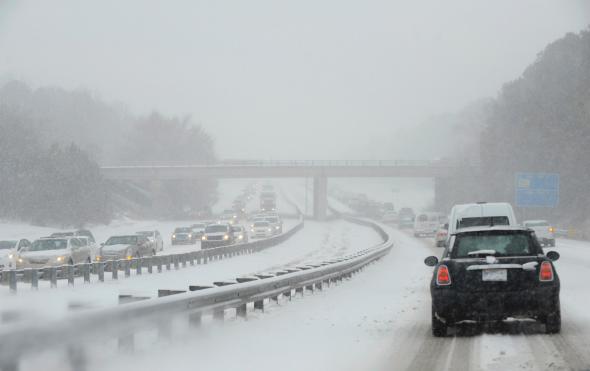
{"points": [[20, 260], [190, 236], [98, 258], [173, 236], [252, 230], [10, 256], [270, 229], [277, 227], [60, 258], [226, 237], [204, 238], [241, 237]]}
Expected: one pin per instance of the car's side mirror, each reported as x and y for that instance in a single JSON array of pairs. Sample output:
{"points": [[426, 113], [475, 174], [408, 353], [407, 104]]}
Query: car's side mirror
{"points": [[431, 261], [553, 255]]}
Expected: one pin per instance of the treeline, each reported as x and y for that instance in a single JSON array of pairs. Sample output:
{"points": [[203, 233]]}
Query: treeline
{"points": [[538, 123], [52, 142]]}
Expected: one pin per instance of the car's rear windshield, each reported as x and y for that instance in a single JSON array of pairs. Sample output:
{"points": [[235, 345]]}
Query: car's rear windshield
{"points": [[41, 245], [261, 224], [216, 228], [497, 243], [482, 221], [122, 240], [537, 224], [5, 245]]}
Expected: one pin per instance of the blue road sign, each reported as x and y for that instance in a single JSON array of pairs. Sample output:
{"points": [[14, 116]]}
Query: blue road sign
{"points": [[537, 190]]}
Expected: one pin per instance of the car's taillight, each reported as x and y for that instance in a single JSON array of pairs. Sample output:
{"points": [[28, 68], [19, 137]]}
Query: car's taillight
{"points": [[443, 277], [546, 272]]}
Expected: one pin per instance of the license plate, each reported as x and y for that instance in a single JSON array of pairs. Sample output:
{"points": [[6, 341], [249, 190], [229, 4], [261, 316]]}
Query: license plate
{"points": [[494, 275]]}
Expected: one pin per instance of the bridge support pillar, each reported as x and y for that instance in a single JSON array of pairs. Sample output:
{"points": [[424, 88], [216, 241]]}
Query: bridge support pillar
{"points": [[320, 197]]}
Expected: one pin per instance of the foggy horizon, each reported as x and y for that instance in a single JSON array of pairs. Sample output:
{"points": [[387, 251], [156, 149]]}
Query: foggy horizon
{"points": [[293, 73]]}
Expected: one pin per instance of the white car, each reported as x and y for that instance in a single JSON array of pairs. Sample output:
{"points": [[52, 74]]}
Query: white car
{"points": [[9, 251], [426, 224], [94, 248], [276, 224], [155, 239], [261, 229], [53, 252], [545, 233]]}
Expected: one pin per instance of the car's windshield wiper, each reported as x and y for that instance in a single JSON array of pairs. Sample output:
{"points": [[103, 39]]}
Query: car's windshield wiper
{"points": [[482, 252]]}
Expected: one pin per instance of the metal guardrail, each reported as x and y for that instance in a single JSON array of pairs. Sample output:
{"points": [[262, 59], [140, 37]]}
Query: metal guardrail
{"points": [[141, 265], [122, 322], [294, 163]]}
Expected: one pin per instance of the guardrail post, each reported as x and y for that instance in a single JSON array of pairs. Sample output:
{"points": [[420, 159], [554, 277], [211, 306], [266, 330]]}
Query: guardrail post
{"points": [[127, 268], [115, 269], [70, 274], [205, 256], [159, 263], [199, 255], [150, 264], [100, 269], [191, 257], [319, 286], [176, 258], [77, 357], [52, 273], [259, 304], [164, 330], [184, 259], [12, 280], [299, 290], [34, 279], [168, 259], [86, 271], [309, 287], [138, 265], [127, 341], [287, 294]]}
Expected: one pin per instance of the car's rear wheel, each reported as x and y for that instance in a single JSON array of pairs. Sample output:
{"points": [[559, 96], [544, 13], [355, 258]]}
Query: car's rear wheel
{"points": [[553, 323], [439, 328]]}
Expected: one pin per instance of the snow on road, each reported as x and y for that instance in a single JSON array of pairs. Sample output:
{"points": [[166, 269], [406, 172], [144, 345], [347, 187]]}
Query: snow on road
{"points": [[380, 320]]}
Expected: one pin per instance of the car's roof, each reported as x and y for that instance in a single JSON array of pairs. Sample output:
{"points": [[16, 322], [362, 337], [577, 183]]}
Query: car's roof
{"points": [[535, 221], [494, 228]]}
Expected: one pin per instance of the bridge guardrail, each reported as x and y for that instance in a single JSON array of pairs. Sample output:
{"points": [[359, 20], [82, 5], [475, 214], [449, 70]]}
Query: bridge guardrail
{"points": [[139, 265], [124, 321], [294, 163]]}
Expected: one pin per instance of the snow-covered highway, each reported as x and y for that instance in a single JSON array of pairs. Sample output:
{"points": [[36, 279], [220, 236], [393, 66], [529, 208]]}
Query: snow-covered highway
{"points": [[380, 320]]}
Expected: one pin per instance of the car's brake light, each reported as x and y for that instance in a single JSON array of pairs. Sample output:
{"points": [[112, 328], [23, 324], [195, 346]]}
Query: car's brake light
{"points": [[546, 272], [443, 277]]}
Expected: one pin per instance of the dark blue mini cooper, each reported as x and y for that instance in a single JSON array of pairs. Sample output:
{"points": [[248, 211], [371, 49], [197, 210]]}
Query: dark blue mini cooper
{"points": [[491, 274]]}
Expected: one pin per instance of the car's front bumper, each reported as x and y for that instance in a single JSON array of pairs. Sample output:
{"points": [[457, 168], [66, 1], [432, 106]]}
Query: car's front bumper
{"points": [[452, 306]]}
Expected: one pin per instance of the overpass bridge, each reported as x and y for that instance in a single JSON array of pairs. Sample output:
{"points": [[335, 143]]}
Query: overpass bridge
{"points": [[320, 171]]}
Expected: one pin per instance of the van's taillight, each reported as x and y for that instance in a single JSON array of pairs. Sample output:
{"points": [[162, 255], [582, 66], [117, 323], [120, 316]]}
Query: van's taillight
{"points": [[546, 272], [443, 277]]}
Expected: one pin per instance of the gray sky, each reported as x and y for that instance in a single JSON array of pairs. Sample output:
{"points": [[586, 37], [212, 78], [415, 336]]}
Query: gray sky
{"points": [[284, 79]]}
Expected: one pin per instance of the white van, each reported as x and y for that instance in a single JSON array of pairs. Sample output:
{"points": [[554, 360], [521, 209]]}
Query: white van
{"points": [[480, 214], [426, 224]]}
